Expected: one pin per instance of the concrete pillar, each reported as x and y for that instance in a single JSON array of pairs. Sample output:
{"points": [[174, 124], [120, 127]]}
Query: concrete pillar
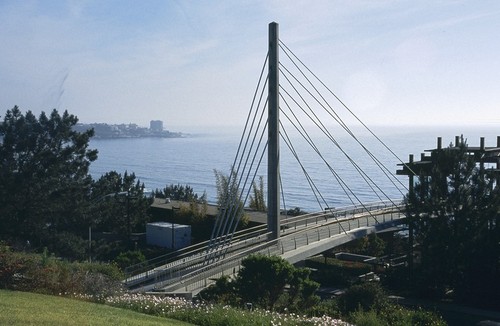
{"points": [[273, 153]]}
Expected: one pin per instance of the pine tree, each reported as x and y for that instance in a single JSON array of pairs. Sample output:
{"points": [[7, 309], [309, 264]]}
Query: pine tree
{"points": [[44, 174], [455, 210]]}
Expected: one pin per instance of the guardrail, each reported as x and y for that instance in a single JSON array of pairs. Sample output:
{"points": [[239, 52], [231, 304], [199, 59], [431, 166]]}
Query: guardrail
{"points": [[138, 272], [296, 231], [196, 278]]}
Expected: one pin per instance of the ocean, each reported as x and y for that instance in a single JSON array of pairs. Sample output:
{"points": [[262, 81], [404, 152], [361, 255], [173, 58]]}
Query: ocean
{"points": [[191, 160]]}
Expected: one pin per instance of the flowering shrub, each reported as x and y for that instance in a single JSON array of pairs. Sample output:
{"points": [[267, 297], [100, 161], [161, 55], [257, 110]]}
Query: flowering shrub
{"points": [[44, 273], [207, 314]]}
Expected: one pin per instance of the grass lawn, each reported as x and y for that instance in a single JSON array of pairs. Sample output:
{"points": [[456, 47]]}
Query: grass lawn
{"points": [[23, 308]]}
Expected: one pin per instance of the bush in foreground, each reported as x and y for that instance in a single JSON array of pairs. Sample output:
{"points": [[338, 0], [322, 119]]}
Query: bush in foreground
{"points": [[268, 282], [44, 273], [207, 314]]}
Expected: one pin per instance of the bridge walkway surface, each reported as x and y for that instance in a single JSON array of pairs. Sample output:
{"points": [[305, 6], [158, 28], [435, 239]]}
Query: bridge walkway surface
{"points": [[191, 269]]}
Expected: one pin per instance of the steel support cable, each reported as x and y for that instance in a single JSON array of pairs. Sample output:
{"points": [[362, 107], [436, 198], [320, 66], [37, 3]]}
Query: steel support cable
{"points": [[232, 207], [283, 196], [216, 227], [217, 221], [327, 133], [226, 210], [231, 210], [322, 127], [235, 225], [345, 106], [325, 130], [236, 217], [311, 143], [374, 158], [350, 190], [233, 202], [312, 185], [337, 118], [249, 188]]}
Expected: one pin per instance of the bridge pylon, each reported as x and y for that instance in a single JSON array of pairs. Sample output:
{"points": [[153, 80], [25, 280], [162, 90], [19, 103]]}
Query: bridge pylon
{"points": [[273, 152]]}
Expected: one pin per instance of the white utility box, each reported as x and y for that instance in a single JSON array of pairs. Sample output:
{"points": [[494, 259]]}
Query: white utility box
{"points": [[168, 235]]}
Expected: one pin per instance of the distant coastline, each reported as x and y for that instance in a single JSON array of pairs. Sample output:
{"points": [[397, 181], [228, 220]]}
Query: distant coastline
{"points": [[120, 131]]}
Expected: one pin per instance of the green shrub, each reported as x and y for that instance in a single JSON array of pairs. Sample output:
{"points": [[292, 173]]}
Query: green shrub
{"points": [[128, 258], [325, 307], [365, 296], [395, 315], [110, 270], [367, 318], [46, 274], [222, 292], [69, 245], [208, 315], [426, 318]]}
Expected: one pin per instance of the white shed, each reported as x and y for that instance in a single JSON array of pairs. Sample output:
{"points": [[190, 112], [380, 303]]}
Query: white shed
{"points": [[168, 235]]}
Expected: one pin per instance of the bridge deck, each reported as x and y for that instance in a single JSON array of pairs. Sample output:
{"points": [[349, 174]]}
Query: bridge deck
{"points": [[300, 237]]}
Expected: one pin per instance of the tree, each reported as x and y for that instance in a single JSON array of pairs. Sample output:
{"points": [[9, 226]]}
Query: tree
{"points": [[44, 174], [262, 281], [455, 210], [229, 201], [118, 204], [370, 245], [365, 297], [180, 192], [228, 193], [257, 201]]}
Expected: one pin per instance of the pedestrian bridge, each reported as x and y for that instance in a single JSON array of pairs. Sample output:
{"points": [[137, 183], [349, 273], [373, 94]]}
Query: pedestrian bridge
{"points": [[192, 269], [305, 101]]}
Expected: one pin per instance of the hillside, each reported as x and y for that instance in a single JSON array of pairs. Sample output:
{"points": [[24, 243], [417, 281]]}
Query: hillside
{"points": [[23, 308]]}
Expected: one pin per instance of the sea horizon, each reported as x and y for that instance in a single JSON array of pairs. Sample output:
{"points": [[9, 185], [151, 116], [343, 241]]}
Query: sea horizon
{"points": [[191, 160]]}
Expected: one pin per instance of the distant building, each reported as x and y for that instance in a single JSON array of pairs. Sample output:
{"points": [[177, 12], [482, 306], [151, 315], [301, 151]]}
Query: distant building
{"points": [[156, 125], [168, 235]]}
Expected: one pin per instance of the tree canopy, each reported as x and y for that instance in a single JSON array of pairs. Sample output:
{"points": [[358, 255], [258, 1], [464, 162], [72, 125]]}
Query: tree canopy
{"points": [[44, 173], [118, 204], [263, 281], [455, 213]]}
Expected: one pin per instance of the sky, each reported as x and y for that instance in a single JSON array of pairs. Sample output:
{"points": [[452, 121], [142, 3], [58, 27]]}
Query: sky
{"points": [[195, 64]]}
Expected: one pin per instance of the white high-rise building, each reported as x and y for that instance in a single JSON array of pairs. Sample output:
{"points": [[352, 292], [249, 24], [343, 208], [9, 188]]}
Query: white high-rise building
{"points": [[156, 125]]}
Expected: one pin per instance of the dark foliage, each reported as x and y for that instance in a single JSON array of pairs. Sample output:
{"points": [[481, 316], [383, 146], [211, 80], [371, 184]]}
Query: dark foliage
{"points": [[257, 201], [118, 204], [455, 214], [43, 174], [180, 192], [262, 281], [44, 273], [364, 296]]}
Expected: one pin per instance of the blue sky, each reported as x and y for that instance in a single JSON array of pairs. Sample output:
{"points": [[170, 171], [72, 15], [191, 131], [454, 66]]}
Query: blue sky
{"points": [[195, 64]]}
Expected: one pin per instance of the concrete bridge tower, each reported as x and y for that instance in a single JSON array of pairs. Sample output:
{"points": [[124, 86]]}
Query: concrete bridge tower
{"points": [[273, 157]]}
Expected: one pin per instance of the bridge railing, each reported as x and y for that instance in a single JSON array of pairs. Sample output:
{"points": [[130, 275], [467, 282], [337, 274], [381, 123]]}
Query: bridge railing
{"points": [[330, 228], [232, 251], [205, 274], [171, 267], [143, 270], [340, 213], [171, 272]]}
